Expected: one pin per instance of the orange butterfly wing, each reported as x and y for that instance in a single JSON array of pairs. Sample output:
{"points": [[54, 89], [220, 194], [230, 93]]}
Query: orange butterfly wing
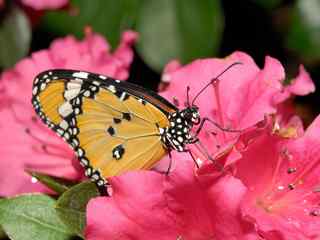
{"points": [[112, 126]]}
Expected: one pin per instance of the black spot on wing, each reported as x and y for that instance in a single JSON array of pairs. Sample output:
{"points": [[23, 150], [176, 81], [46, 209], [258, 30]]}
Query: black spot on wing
{"points": [[118, 152], [117, 120], [111, 131], [126, 116]]}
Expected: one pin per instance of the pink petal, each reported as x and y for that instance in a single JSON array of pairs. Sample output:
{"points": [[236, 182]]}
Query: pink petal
{"points": [[302, 84], [282, 176], [148, 205], [171, 67], [136, 210], [45, 4]]}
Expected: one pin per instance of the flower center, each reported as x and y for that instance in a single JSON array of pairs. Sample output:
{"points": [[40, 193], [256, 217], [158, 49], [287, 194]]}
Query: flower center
{"points": [[292, 187]]}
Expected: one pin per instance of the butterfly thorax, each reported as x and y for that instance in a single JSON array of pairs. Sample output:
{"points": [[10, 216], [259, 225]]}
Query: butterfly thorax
{"points": [[178, 133]]}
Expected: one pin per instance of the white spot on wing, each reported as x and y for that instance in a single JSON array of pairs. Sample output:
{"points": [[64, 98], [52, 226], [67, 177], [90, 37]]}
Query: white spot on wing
{"points": [[60, 131], [43, 86], [123, 95], [65, 109], [35, 90], [84, 161], [72, 93], [64, 124], [80, 74], [80, 152], [161, 130], [74, 84], [87, 93], [112, 88], [117, 155]]}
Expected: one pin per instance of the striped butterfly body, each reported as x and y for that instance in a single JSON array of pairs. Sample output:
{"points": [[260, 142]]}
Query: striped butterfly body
{"points": [[113, 126]]}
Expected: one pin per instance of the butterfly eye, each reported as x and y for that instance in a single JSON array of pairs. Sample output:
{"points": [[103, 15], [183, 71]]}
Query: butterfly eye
{"points": [[196, 121], [195, 117]]}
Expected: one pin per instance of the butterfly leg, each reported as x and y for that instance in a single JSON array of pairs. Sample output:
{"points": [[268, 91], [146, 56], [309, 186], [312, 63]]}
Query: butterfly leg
{"points": [[205, 152], [206, 119], [170, 163], [193, 158]]}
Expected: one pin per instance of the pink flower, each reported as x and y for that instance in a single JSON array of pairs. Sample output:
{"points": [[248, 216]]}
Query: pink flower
{"points": [[205, 204], [27, 144], [240, 99], [45, 4], [282, 177], [183, 205]]}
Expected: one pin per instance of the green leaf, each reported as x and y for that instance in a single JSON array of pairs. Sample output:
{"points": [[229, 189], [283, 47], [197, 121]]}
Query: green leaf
{"points": [[304, 32], [107, 17], [59, 185], [178, 29], [32, 217], [71, 206], [15, 37]]}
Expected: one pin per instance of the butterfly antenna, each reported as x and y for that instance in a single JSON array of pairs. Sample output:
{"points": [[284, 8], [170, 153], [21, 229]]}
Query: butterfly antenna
{"points": [[214, 80], [188, 96]]}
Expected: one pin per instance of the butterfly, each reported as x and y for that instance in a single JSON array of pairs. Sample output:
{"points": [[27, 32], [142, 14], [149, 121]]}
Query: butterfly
{"points": [[114, 126]]}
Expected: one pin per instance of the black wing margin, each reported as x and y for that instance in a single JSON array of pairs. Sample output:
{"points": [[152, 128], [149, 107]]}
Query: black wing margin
{"points": [[104, 81]]}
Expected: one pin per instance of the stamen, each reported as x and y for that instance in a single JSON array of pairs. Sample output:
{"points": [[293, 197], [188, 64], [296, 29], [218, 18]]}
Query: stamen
{"points": [[291, 186], [219, 108], [307, 169], [291, 170], [315, 213]]}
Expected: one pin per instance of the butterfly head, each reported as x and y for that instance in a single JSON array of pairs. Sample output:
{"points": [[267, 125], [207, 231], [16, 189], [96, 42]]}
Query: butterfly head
{"points": [[192, 115]]}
